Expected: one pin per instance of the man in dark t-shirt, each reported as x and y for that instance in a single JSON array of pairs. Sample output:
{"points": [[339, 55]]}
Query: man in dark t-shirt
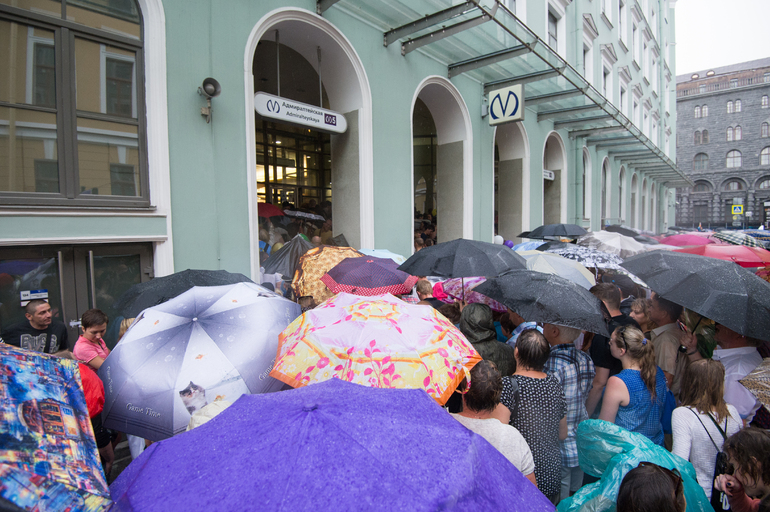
{"points": [[38, 333], [606, 365], [425, 294]]}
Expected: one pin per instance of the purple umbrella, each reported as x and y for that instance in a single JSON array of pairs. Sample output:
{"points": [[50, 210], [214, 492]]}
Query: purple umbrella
{"points": [[328, 446], [368, 276]]}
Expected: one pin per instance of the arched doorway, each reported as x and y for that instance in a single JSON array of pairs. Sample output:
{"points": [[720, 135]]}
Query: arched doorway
{"points": [[424, 145], [511, 180], [345, 89], [644, 224], [451, 144], [634, 202], [555, 165]]}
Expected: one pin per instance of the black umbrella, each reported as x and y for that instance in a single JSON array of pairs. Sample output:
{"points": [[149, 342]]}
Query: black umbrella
{"points": [[463, 258], [568, 230], [284, 261], [548, 298], [157, 291], [720, 290], [615, 228]]}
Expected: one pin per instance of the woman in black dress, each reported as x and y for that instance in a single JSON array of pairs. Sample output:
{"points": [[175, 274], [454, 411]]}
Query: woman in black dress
{"points": [[538, 409]]}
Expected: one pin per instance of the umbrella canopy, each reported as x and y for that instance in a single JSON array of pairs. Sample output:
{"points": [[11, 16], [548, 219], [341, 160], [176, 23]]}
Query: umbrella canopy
{"points": [[210, 343], [737, 238], [623, 230], [586, 256], [567, 230], [758, 382], [550, 263], [269, 210], [313, 265], [368, 276], [375, 341], [462, 289], [303, 215], [331, 446], [285, 260], [157, 291], [548, 298], [527, 246], [684, 240], [759, 234], [383, 253], [463, 258], [614, 243], [48, 454], [740, 254], [720, 290]]}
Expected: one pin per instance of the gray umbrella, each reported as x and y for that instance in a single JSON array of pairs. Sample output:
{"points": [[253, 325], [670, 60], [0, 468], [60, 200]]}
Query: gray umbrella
{"points": [[547, 298], [720, 290], [209, 343]]}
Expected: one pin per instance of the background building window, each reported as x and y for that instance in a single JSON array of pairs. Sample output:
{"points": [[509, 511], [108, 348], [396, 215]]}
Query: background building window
{"points": [[737, 105], [764, 184], [705, 137], [730, 134], [704, 111], [697, 138], [733, 159], [729, 107], [765, 101], [697, 112], [764, 156], [733, 185], [119, 78], [738, 133], [700, 162], [765, 130], [46, 176], [122, 180], [45, 76], [701, 186]]}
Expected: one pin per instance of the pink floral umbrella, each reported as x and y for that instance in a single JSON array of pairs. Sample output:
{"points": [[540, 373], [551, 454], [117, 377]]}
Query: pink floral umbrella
{"points": [[377, 341], [454, 290]]}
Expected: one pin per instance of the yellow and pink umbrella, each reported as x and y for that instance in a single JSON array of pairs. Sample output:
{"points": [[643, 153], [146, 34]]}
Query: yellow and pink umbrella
{"points": [[377, 341]]}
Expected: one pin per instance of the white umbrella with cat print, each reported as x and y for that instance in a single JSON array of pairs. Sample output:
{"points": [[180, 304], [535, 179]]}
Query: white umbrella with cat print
{"points": [[209, 343]]}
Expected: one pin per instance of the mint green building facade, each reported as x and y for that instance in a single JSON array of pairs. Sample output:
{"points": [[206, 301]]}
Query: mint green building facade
{"points": [[598, 101]]}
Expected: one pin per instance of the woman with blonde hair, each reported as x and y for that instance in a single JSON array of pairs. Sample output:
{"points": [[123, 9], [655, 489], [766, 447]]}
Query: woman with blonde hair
{"points": [[635, 398], [704, 419], [640, 311]]}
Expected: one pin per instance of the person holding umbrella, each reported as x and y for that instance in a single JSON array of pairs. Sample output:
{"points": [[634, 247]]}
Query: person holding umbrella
{"points": [[480, 400], [739, 355]]}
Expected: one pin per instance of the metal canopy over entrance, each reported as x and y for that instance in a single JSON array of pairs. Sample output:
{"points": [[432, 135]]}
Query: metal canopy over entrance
{"points": [[484, 41]]}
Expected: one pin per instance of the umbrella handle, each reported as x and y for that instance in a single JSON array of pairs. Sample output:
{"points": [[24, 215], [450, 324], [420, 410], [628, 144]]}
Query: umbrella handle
{"points": [[697, 324]]}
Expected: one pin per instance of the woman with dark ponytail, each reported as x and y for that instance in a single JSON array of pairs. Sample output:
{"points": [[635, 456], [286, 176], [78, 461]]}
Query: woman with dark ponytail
{"points": [[635, 398]]}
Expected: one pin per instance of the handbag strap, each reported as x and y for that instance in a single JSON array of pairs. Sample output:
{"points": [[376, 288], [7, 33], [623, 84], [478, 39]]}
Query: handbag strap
{"points": [[704, 428], [724, 435]]}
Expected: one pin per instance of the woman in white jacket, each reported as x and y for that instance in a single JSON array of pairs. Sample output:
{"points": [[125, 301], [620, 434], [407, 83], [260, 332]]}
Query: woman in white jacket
{"points": [[697, 423]]}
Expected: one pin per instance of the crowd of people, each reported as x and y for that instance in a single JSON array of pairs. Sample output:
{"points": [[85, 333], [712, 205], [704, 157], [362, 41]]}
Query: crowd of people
{"points": [[537, 383]]}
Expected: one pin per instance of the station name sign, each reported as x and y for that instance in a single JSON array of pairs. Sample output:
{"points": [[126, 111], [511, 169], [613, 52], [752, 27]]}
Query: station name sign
{"points": [[506, 105], [303, 114]]}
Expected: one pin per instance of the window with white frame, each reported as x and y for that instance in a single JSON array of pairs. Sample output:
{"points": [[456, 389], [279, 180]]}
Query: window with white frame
{"points": [[654, 132], [734, 159], [700, 162], [635, 43], [738, 133], [654, 73], [636, 114], [588, 62], [737, 105], [765, 101], [696, 138], [704, 111], [622, 22], [730, 107], [705, 137], [765, 130], [553, 32], [764, 156], [764, 184], [623, 100], [697, 112], [730, 133]]}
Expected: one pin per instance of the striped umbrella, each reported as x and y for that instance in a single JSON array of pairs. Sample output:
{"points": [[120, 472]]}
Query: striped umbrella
{"points": [[368, 276], [737, 238]]}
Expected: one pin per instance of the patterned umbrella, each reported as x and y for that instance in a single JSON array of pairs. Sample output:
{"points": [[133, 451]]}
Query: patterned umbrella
{"points": [[550, 263], [462, 289], [527, 246], [737, 238], [383, 253], [368, 276], [614, 243], [588, 257], [210, 343], [313, 265], [48, 455], [740, 254], [759, 234], [758, 382], [375, 341]]}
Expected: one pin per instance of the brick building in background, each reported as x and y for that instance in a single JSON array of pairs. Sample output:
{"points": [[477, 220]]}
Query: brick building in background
{"points": [[723, 145]]}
